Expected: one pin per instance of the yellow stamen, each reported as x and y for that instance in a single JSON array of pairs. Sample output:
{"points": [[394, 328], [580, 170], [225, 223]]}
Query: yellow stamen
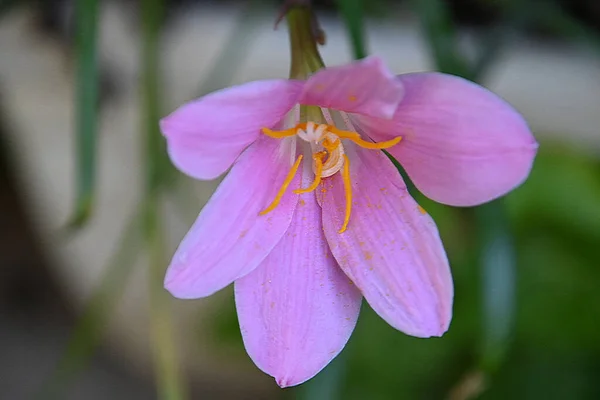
{"points": [[348, 191], [329, 146], [318, 170], [286, 183], [330, 150], [280, 134], [355, 137]]}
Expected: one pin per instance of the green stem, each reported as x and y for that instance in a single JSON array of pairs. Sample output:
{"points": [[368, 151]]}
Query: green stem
{"points": [[157, 163], [157, 167], [86, 13], [306, 59], [169, 385]]}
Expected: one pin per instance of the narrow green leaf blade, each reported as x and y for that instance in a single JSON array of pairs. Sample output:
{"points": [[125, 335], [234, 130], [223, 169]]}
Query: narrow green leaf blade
{"points": [[353, 14], [86, 118]]}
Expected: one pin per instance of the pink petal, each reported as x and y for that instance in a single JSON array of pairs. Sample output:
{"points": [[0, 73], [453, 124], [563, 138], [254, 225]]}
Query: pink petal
{"points": [[365, 87], [297, 309], [461, 144], [229, 239], [391, 250], [205, 136]]}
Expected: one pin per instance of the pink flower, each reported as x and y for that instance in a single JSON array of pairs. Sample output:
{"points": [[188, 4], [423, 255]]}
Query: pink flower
{"points": [[312, 217]]}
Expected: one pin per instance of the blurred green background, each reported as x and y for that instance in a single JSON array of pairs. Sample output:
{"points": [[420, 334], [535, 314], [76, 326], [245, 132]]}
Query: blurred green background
{"points": [[92, 208]]}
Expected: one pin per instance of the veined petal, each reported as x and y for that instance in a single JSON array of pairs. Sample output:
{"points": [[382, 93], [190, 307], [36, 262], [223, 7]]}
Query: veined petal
{"points": [[364, 87], [461, 144], [205, 136], [229, 238], [391, 250], [297, 309]]}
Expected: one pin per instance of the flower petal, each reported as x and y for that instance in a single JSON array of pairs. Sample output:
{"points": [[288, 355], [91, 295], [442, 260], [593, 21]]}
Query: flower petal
{"points": [[391, 250], [229, 238], [461, 144], [364, 87], [297, 309], [205, 136]]}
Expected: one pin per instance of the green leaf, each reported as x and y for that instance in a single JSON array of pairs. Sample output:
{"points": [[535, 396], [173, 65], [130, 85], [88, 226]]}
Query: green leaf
{"points": [[166, 363], [353, 12], [159, 170], [497, 260], [86, 123]]}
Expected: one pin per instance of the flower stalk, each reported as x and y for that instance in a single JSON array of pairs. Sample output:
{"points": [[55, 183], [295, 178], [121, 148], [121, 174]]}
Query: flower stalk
{"points": [[304, 38]]}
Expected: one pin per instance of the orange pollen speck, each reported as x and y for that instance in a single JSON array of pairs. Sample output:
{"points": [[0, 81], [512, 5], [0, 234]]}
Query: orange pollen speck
{"points": [[328, 157]]}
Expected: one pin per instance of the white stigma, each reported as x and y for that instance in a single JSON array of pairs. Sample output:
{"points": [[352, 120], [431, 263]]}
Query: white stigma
{"points": [[314, 132]]}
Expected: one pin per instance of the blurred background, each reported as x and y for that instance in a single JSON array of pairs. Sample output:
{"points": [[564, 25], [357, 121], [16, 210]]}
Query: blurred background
{"points": [[91, 210]]}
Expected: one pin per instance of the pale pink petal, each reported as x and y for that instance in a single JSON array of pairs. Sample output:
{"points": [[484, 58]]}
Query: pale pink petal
{"points": [[391, 250], [364, 87], [297, 309], [229, 238], [205, 136], [461, 144]]}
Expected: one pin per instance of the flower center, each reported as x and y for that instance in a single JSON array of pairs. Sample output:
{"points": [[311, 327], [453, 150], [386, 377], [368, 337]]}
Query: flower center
{"points": [[328, 158]]}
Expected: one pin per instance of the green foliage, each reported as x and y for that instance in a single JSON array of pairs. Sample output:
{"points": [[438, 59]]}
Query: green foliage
{"points": [[557, 222]]}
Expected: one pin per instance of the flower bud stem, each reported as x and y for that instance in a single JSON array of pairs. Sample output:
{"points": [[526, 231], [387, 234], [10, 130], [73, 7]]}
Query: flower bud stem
{"points": [[306, 59]]}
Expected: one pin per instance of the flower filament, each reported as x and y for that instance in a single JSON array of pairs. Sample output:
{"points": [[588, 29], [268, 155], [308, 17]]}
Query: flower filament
{"points": [[328, 158], [286, 183]]}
